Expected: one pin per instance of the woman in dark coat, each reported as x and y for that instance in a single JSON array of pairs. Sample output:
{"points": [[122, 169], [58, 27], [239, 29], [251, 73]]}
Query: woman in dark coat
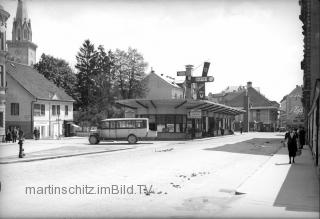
{"points": [[292, 144]]}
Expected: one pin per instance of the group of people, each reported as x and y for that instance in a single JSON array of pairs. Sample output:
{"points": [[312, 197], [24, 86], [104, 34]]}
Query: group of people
{"points": [[294, 139], [13, 134]]}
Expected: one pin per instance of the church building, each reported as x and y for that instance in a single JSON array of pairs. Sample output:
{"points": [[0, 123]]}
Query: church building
{"points": [[32, 101]]}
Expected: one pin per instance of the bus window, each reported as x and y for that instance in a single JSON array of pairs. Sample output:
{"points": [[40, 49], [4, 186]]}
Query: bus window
{"points": [[130, 124], [105, 125], [112, 124], [141, 124], [122, 124]]}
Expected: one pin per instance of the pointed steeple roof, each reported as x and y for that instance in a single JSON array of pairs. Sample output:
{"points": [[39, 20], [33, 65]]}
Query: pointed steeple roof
{"points": [[22, 13]]}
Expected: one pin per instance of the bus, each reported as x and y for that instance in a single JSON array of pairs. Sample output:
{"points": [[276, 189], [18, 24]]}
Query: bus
{"points": [[130, 129]]}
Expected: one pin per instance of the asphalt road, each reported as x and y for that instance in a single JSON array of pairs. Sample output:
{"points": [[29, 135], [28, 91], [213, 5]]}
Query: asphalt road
{"points": [[181, 178]]}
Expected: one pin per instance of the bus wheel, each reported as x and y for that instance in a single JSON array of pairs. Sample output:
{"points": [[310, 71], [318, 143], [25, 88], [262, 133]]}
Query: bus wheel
{"points": [[132, 139], [93, 139]]}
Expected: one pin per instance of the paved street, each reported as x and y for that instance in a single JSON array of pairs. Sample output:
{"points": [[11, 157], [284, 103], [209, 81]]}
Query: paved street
{"points": [[227, 176]]}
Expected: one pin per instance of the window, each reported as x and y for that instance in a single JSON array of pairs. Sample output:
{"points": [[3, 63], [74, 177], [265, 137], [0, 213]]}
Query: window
{"points": [[105, 125], [14, 109], [54, 110], [25, 33], [1, 120], [258, 116], [39, 110], [141, 123], [43, 109], [2, 41], [1, 76], [58, 109], [66, 108]]}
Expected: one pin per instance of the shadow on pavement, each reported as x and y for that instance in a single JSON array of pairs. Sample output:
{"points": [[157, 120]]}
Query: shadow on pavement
{"points": [[300, 190], [120, 143], [256, 146]]}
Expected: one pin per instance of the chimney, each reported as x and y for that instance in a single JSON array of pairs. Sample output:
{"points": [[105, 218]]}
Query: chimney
{"points": [[249, 84], [189, 70]]}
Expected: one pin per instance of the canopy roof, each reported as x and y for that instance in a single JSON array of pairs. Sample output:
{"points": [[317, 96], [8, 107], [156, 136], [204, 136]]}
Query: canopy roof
{"points": [[187, 104]]}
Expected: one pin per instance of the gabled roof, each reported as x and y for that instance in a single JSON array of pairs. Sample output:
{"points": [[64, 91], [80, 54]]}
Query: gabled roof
{"points": [[167, 79], [236, 99], [35, 83], [297, 91]]}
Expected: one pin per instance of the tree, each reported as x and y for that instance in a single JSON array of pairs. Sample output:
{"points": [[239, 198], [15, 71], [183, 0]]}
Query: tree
{"points": [[129, 72], [87, 71], [59, 72]]}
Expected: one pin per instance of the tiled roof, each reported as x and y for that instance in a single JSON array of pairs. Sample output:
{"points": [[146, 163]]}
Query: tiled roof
{"points": [[236, 99], [35, 83], [297, 91], [167, 79]]}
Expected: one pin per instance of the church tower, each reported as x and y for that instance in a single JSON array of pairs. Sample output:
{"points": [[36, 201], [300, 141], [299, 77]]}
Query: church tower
{"points": [[21, 48]]}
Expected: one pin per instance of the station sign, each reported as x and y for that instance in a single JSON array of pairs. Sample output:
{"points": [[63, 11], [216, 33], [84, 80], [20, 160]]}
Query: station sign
{"points": [[202, 79], [195, 114]]}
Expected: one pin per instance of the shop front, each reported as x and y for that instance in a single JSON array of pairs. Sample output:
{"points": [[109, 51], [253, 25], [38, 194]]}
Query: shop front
{"points": [[181, 118]]}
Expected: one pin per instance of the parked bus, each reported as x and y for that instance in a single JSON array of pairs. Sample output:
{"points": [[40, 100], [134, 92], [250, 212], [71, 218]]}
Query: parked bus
{"points": [[130, 129]]}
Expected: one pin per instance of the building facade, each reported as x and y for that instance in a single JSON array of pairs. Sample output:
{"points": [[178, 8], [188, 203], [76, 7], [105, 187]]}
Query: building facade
{"points": [[32, 101], [262, 113], [162, 87], [291, 109], [310, 17], [3, 52]]}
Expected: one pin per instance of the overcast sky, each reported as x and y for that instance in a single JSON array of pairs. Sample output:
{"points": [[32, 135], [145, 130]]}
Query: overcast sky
{"points": [[259, 40]]}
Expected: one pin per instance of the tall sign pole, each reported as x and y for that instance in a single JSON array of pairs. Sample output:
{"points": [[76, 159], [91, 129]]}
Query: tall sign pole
{"points": [[188, 94], [195, 86], [201, 85]]}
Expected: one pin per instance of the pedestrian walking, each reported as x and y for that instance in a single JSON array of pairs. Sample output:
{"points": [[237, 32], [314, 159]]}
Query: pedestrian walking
{"points": [[20, 143], [302, 137], [292, 138], [8, 135], [14, 134]]}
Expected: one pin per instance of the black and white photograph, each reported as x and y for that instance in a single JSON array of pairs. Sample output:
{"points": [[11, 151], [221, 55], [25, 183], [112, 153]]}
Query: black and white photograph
{"points": [[159, 108]]}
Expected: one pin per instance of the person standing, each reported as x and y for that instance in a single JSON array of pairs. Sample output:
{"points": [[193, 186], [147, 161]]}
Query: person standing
{"points": [[292, 138], [14, 134], [20, 143], [8, 135], [302, 137]]}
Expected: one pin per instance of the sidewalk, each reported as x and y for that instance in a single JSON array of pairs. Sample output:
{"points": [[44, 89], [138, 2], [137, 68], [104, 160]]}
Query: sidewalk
{"points": [[279, 189], [63, 151]]}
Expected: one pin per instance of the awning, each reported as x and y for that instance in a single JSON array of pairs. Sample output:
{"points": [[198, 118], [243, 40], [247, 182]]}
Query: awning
{"points": [[187, 104]]}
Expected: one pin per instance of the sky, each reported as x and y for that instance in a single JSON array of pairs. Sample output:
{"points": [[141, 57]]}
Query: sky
{"points": [[244, 40]]}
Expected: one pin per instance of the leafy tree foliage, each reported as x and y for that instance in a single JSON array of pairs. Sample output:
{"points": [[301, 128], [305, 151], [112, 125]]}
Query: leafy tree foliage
{"points": [[129, 72], [59, 72], [104, 77]]}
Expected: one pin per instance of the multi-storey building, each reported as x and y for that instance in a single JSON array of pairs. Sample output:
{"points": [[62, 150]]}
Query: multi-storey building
{"points": [[262, 112], [310, 17], [291, 109], [3, 52]]}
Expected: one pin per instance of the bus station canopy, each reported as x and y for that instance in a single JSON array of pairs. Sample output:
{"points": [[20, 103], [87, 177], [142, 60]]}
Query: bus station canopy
{"points": [[187, 104]]}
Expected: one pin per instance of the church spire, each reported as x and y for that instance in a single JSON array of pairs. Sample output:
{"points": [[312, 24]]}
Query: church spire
{"points": [[21, 30], [21, 48]]}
